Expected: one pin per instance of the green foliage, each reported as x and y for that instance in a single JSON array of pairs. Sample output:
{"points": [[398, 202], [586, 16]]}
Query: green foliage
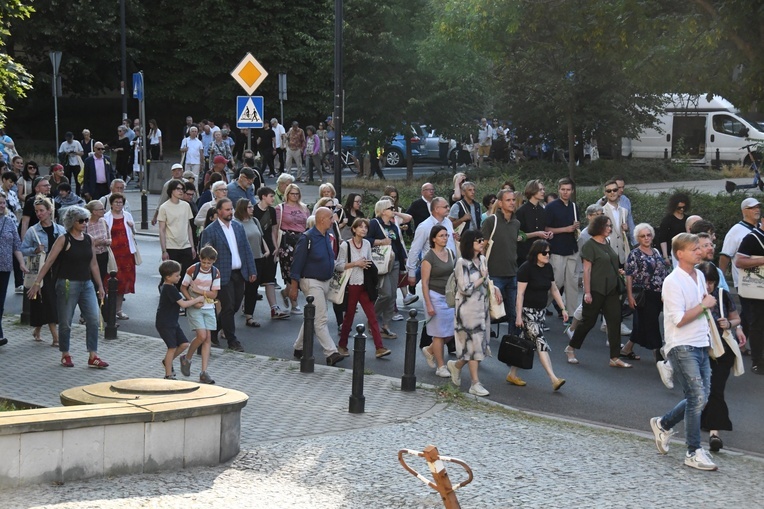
{"points": [[15, 81]]}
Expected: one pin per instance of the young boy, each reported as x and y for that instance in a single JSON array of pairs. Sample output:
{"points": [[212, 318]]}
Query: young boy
{"points": [[201, 281], [170, 302]]}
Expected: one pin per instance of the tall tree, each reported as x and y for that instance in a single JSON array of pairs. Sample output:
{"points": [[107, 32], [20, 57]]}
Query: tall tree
{"points": [[15, 81]]}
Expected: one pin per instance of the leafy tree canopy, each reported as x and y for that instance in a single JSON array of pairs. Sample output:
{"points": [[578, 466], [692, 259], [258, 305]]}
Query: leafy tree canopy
{"points": [[14, 78]]}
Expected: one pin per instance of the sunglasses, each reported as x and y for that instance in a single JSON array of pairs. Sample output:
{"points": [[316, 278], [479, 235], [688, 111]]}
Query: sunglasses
{"points": [[99, 149], [479, 241], [680, 208], [83, 220], [546, 253], [390, 208], [611, 190]]}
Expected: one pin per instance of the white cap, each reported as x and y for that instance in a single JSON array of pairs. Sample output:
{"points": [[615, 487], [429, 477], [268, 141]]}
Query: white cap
{"points": [[176, 166], [749, 203]]}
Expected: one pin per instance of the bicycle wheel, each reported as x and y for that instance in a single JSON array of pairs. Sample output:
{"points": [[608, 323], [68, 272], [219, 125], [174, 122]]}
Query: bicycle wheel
{"points": [[327, 163], [352, 163]]}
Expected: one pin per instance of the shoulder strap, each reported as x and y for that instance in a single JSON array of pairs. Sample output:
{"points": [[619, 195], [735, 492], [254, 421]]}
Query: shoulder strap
{"points": [[281, 217], [757, 236], [197, 267], [495, 222], [34, 230], [721, 302]]}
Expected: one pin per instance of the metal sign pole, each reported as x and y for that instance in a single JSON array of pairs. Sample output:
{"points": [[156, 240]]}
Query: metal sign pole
{"points": [[145, 169], [55, 59]]}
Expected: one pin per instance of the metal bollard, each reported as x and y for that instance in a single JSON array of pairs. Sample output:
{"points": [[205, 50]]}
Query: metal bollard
{"points": [[110, 332], [665, 153], [357, 399], [408, 380], [307, 362], [145, 205], [718, 160], [441, 482]]}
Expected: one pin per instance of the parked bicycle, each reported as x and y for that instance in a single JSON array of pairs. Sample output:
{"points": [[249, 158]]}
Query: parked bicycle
{"points": [[349, 161]]}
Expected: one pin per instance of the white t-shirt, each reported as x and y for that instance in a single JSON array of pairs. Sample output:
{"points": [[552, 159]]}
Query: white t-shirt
{"points": [[202, 283], [680, 293], [71, 149], [279, 132], [731, 244], [176, 217], [193, 156], [154, 140]]}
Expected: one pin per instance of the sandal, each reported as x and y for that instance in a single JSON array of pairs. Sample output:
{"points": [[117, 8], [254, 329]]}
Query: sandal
{"points": [[54, 344], [36, 337], [251, 323], [631, 356], [618, 363], [122, 316], [571, 353]]}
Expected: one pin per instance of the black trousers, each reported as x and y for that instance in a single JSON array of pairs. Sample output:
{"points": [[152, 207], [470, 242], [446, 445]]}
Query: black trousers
{"points": [[280, 152], [71, 173], [268, 163], [610, 306], [230, 297], [184, 258]]}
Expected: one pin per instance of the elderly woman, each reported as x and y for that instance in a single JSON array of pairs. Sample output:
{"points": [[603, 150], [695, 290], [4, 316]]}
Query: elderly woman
{"points": [[220, 147], [601, 274], [243, 214], [383, 231], [98, 230], [123, 245], [472, 320], [645, 271], [219, 190], [39, 239], [403, 221], [206, 194], [284, 180], [291, 218], [10, 248], [77, 270], [715, 416], [535, 280]]}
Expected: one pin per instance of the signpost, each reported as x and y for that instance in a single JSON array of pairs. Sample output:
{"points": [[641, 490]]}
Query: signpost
{"points": [[139, 94], [55, 59], [282, 93], [249, 110]]}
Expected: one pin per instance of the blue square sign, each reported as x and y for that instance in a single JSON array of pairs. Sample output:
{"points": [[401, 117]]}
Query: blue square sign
{"points": [[249, 111]]}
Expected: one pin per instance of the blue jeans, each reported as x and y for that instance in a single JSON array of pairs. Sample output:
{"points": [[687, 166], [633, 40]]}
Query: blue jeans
{"points": [[82, 293], [508, 288], [693, 371]]}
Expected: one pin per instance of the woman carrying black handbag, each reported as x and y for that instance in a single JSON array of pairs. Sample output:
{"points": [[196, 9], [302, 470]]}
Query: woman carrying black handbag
{"points": [[535, 279]]}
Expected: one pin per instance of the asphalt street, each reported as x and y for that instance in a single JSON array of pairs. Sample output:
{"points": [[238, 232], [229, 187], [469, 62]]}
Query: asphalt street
{"points": [[595, 392]]}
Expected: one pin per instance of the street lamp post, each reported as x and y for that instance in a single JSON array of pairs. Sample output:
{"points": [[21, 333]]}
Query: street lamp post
{"points": [[123, 44], [337, 117]]}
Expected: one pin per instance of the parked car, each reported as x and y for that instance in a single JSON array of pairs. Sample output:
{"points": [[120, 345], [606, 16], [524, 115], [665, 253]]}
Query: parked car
{"points": [[395, 149]]}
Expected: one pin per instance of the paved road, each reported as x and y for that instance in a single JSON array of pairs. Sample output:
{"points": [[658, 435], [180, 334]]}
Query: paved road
{"points": [[594, 391]]}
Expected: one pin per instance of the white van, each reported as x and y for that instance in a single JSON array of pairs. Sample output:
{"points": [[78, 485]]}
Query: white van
{"points": [[692, 129]]}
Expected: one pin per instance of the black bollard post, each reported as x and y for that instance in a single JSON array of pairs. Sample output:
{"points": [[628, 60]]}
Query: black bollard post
{"points": [[665, 153], [110, 332], [144, 209], [357, 399], [718, 160], [25, 309], [308, 362], [408, 380]]}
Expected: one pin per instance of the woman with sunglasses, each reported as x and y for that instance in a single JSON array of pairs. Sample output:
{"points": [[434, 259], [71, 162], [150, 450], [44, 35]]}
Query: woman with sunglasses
{"points": [[30, 172], [472, 321], [601, 293], [535, 279], [291, 218], [77, 272], [383, 231], [673, 223], [352, 212]]}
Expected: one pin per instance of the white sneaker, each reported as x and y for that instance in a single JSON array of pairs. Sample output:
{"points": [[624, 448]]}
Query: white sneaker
{"points": [[569, 332], [397, 317], [700, 459], [603, 327], [431, 359], [456, 374], [478, 390], [666, 371], [625, 331], [410, 300], [662, 436], [442, 372], [20, 289], [296, 310]]}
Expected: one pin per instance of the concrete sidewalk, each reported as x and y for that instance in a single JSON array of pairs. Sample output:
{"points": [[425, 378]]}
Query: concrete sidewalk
{"points": [[301, 448]]}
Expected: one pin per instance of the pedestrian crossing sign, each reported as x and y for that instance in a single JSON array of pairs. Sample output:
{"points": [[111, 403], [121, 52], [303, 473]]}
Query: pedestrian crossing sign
{"points": [[249, 112]]}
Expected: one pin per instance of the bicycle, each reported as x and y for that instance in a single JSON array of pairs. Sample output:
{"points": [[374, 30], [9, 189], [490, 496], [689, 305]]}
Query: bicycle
{"points": [[755, 159], [349, 161]]}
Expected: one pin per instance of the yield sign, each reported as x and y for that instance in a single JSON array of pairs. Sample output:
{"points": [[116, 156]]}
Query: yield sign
{"points": [[249, 73]]}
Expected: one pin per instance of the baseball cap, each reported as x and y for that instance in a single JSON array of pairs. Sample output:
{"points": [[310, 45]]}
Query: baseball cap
{"points": [[176, 166], [220, 160], [188, 174], [748, 203]]}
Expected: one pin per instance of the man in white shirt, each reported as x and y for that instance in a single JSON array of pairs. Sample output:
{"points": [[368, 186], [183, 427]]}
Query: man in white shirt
{"points": [[421, 242], [686, 314], [70, 150], [485, 138], [194, 150], [280, 133]]}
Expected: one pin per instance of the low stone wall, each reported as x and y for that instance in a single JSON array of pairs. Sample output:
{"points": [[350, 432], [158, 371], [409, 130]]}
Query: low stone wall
{"points": [[175, 425]]}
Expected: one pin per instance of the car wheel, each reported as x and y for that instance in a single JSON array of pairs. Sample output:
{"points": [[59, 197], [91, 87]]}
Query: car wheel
{"points": [[393, 157]]}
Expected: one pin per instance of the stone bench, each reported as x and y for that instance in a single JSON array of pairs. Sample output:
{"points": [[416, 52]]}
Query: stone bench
{"points": [[133, 426]]}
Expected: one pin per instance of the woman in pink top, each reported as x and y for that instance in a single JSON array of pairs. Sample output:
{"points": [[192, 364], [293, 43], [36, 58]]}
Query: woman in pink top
{"points": [[291, 217]]}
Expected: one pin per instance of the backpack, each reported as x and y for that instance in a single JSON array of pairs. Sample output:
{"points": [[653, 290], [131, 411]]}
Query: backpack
{"points": [[198, 267]]}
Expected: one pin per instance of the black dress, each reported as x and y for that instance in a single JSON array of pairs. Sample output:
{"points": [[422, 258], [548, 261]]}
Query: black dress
{"points": [[42, 310]]}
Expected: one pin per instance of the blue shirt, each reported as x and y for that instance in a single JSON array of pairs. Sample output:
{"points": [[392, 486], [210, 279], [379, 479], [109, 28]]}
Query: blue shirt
{"points": [[235, 193], [313, 256], [559, 215], [206, 142]]}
